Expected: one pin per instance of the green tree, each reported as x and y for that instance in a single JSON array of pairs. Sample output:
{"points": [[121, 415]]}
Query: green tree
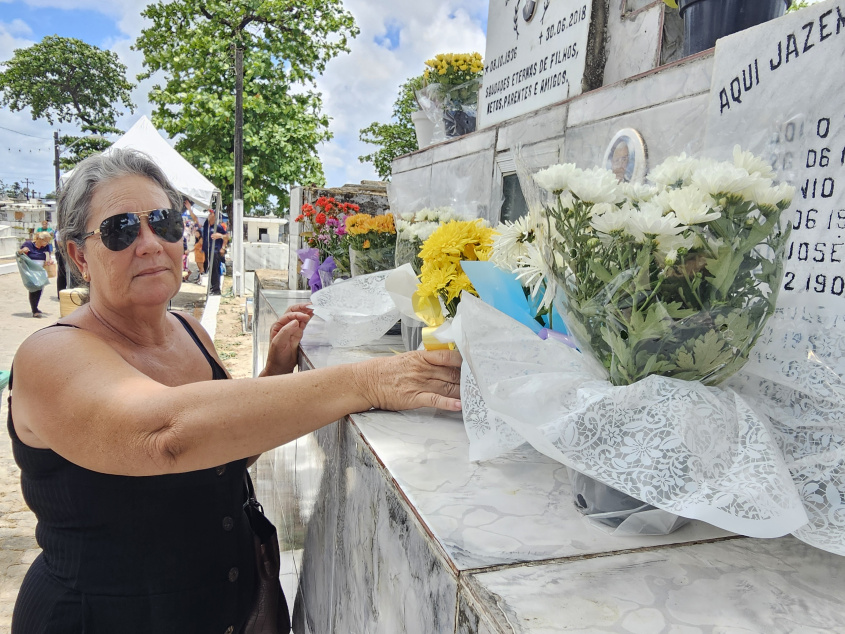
{"points": [[797, 5], [395, 138], [286, 44], [63, 79]]}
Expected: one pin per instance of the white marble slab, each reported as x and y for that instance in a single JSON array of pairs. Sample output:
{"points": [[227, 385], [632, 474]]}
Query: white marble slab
{"points": [[536, 127], [742, 585], [633, 42], [684, 79], [585, 145], [504, 511]]}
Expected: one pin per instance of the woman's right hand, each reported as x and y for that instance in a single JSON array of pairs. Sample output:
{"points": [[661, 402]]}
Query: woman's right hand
{"points": [[24, 249], [430, 378]]}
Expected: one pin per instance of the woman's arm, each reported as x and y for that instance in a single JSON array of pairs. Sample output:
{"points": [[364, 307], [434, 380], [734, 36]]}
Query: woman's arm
{"points": [[99, 412]]}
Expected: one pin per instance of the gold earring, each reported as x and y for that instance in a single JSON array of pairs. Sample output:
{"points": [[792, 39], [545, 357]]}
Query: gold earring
{"points": [[85, 276]]}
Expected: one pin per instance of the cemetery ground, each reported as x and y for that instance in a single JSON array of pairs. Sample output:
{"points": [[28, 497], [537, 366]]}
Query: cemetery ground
{"points": [[18, 547]]}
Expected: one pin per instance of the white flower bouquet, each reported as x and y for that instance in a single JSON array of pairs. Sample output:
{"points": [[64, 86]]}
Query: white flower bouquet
{"points": [[675, 278], [412, 229]]}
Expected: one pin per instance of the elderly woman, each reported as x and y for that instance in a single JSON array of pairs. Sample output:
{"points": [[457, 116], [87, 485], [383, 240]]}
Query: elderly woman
{"points": [[133, 452], [39, 251]]}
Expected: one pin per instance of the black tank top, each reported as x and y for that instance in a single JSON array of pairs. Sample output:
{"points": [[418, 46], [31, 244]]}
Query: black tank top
{"points": [[152, 554]]}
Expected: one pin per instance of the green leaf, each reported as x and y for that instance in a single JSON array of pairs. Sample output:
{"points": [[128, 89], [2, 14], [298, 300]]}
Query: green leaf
{"points": [[703, 356]]}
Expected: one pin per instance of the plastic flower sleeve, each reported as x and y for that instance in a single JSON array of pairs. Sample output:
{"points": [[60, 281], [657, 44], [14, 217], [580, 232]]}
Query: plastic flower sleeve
{"points": [[452, 109], [691, 450], [358, 311], [371, 260]]}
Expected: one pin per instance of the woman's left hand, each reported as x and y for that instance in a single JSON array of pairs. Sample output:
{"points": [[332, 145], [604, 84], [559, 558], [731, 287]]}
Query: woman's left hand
{"points": [[285, 336]]}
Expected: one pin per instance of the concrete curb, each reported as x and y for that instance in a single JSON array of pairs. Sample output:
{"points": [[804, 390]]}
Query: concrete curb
{"points": [[11, 267], [209, 315]]}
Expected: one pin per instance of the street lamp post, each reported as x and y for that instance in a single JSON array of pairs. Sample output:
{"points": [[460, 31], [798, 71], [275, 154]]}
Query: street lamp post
{"points": [[57, 153]]}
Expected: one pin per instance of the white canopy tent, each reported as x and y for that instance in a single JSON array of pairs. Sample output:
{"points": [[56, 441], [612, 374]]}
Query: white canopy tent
{"points": [[145, 138]]}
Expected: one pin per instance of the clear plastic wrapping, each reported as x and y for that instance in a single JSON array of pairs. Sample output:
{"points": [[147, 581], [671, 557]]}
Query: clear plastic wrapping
{"points": [[453, 109]]}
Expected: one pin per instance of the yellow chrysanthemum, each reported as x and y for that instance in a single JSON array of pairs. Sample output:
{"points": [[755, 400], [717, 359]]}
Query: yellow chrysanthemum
{"points": [[442, 254]]}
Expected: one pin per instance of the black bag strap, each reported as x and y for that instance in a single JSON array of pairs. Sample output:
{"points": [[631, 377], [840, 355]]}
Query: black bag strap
{"points": [[261, 526]]}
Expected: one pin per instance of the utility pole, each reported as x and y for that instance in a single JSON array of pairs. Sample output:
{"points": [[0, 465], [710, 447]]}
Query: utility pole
{"points": [[238, 203], [26, 189], [56, 159]]}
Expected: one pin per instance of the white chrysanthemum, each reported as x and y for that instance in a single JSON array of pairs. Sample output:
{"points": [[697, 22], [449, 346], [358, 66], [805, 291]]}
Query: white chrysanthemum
{"points": [[649, 220], [512, 243], [669, 243], [422, 230], [772, 196], [752, 164], [602, 208], [640, 192], [556, 178], [442, 214], [533, 272], [611, 221], [407, 217], [719, 179], [671, 257], [691, 205], [596, 185], [403, 227], [673, 170]]}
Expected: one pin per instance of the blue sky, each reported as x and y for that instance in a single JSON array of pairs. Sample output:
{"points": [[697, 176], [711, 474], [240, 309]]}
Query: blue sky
{"points": [[85, 24], [397, 36]]}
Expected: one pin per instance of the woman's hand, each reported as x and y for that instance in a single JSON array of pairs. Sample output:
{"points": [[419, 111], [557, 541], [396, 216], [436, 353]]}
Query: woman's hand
{"points": [[411, 380], [24, 250], [285, 336]]}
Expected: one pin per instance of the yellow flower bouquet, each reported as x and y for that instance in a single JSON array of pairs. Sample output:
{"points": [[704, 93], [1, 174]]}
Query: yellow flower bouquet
{"points": [[450, 95], [442, 279], [372, 243]]}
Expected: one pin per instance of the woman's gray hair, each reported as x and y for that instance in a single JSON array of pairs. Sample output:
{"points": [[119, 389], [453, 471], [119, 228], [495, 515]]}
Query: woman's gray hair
{"points": [[74, 204]]}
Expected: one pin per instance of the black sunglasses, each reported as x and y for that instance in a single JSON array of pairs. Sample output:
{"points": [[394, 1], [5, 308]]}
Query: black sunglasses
{"points": [[120, 231]]}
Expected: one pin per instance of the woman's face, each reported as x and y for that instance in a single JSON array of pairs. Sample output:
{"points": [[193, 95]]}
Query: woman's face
{"points": [[149, 271], [41, 243]]}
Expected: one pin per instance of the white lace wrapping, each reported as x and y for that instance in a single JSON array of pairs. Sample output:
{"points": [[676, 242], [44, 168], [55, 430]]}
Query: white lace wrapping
{"points": [[761, 455]]}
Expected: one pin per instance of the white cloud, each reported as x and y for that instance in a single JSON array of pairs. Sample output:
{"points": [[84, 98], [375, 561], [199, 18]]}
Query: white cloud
{"points": [[16, 28]]}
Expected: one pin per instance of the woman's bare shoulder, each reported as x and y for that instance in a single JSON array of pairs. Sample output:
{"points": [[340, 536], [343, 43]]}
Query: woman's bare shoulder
{"points": [[60, 347], [196, 326]]}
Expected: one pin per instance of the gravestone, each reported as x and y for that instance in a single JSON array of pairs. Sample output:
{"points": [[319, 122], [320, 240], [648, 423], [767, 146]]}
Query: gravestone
{"points": [[538, 53], [779, 90]]}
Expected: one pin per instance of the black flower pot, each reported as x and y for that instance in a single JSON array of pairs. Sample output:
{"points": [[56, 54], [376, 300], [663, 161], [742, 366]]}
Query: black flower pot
{"points": [[705, 21], [458, 123]]}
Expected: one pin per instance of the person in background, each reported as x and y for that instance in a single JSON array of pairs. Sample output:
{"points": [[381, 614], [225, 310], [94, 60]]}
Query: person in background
{"points": [[199, 254], [214, 239], [186, 233], [39, 251], [45, 227]]}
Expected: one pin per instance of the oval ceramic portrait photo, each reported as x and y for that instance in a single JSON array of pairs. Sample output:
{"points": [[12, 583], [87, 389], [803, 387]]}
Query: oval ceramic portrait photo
{"points": [[626, 156]]}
